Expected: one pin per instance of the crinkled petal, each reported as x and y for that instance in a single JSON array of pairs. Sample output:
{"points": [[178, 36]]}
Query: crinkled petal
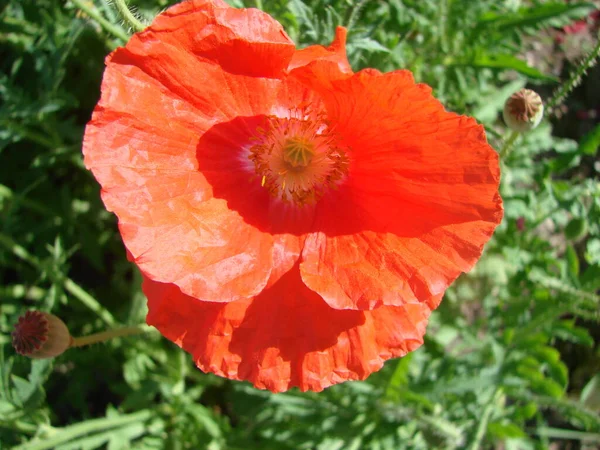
{"points": [[317, 66], [240, 41], [419, 203], [142, 147], [160, 97], [336, 53], [287, 336]]}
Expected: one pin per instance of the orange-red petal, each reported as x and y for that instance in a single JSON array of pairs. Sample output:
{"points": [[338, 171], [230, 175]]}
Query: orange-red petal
{"points": [[336, 53], [240, 41], [285, 337], [160, 95], [420, 200]]}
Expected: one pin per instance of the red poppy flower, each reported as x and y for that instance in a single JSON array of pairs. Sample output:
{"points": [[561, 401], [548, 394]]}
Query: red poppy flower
{"points": [[295, 222]]}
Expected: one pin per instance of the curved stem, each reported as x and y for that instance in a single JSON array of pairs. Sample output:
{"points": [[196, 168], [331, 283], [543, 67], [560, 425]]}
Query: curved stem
{"points": [[485, 418], [105, 24], [128, 16], [574, 79], [107, 335], [354, 12], [507, 147]]}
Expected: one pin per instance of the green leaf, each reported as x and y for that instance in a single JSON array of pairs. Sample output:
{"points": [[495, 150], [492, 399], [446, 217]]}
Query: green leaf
{"points": [[508, 62], [399, 378], [590, 142], [568, 331], [204, 418], [572, 265], [526, 411], [505, 430], [590, 394], [556, 368], [368, 44], [536, 16], [539, 383], [576, 228], [95, 432], [591, 278], [592, 254], [26, 393]]}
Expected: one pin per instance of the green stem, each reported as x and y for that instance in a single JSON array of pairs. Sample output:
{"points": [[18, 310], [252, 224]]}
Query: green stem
{"points": [[354, 13], [128, 16], [17, 198], [554, 283], [23, 427], [259, 4], [574, 79], [109, 334], [507, 147], [105, 24], [79, 293], [69, 285], [485, 418], [72, 432], [21, 291]]}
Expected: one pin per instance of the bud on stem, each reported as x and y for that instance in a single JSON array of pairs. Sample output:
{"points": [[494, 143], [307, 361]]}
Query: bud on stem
{"points": [[523, 111], [40, 335]]}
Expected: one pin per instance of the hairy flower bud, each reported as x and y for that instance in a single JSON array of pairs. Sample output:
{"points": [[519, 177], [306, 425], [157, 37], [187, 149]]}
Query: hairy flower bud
{"points": [[523, 111], [40, 335]]}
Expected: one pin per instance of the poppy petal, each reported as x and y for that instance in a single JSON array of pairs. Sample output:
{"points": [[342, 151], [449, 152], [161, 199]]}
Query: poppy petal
{"points": [[241, 41], [336, 53], [420, 201], [287, 336], [170, 221]]}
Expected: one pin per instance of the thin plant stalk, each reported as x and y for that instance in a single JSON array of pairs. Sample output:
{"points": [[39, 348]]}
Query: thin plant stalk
{"points": [[485, 419], [69, 285], [508, 144], [128, 16], [574, 79], [107, 335], [105, 24]]}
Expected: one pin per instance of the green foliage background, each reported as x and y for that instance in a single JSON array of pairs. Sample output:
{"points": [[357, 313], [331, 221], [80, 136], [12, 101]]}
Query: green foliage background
{"points": [[511, 357]]}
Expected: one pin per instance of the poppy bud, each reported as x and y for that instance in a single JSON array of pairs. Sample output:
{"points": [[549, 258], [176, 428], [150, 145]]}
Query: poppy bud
{"points": [[523, 111], [40, 335]]}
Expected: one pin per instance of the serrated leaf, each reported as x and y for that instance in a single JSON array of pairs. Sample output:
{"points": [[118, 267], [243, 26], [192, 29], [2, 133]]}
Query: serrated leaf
{"points": [[568, 331], [366, 43]]}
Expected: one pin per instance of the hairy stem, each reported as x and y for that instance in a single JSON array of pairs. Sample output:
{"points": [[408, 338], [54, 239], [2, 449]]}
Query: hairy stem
{"points": [[69, 285], [508, 144], [574, 79], [128, 17], [93, 13], [485, 419]]}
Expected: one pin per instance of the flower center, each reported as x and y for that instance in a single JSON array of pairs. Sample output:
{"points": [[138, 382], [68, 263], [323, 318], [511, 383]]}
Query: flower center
{"points": [[297, 158], [298, 152]]}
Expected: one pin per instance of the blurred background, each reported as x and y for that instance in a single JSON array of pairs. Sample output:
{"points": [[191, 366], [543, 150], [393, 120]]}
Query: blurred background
{"points": [[511, 359]]}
